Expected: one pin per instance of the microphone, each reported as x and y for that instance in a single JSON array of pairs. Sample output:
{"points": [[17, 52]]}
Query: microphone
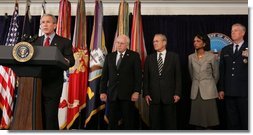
{"points": [[29, 38]]}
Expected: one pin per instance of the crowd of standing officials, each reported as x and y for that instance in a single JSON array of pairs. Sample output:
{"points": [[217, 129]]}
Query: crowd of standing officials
{"points": [[122, 81], [212, 79]]}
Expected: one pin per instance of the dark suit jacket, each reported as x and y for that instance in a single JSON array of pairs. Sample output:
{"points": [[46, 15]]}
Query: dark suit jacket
{"points": [[233, 72], [121, 83], [162, 88], [52, 77]]}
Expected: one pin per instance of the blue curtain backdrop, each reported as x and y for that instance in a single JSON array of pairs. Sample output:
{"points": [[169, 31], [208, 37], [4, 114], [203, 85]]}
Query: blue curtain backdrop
{"points": [[180, 31]]}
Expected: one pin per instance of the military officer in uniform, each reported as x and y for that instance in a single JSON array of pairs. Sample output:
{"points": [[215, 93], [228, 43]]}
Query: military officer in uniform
{"points": [[234, 79]]}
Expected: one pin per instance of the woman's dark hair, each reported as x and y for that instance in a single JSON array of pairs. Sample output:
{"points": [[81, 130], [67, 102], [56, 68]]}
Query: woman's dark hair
{"points": [[205, 39]]}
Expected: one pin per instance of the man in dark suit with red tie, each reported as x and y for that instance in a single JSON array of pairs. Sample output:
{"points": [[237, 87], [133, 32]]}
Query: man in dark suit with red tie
{"points": [[52, 77], [121, 83], [234, 79], [162, 85]]}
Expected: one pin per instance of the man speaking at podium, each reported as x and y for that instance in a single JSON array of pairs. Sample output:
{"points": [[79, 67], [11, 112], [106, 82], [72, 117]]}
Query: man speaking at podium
{"points": [[52, 78]]}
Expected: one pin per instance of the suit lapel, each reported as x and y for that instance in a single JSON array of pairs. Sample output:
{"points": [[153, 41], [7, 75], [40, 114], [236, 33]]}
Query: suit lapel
{"points": [[40, 41], [240, 50], [199, 62], [195, 62], [166, 62], [195, 59], [54, 41], [153, 60], [204, 58], [125, 58], [114, 60], [230, 50]]}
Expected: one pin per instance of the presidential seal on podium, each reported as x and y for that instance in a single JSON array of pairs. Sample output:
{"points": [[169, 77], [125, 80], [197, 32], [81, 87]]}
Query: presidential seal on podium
{"points": [[23, 51]]}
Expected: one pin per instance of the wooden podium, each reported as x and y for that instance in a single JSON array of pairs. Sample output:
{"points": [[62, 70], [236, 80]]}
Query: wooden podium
{"points": [[27, 112]]}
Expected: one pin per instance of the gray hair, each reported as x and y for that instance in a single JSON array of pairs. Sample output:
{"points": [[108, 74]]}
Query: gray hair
{"points": [[164, 38], [126, 37], [240, 25]]}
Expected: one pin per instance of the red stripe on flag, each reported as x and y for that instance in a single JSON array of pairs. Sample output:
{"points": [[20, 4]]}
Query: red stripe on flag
{"points": [[7, 81], [2, 80]]}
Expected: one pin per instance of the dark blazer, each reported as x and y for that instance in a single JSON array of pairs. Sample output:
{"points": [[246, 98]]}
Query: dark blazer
{"points": [[233, 72], [164, 87], [123, 82], [53, 76]]}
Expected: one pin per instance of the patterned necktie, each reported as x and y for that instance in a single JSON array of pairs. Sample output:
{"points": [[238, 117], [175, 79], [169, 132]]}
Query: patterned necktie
{"points": [[160, 64], [119, 60], [47, 42], [236, 49]]}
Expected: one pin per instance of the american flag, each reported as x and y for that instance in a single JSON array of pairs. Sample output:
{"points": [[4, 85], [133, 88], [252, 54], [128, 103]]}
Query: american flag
{"points": [[7, 87], [13, 33], [7, 76]]}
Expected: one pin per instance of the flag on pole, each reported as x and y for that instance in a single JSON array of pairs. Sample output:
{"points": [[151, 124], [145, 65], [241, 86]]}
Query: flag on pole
{"points": [[63, 29], [43, 11], [13, 34], [7, 87], [78, 74], [63, 106], [64, 19], [138, 45], [97, 57], [4, 30], [137, 37], [7, 76], [123, 22], [27, 30]]}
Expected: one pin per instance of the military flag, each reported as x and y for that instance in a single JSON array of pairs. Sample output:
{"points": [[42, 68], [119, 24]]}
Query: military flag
{"points": [[138, 45], [78, 74], [63, 29], [97, 57], [27, 29], [64, 19], [123, 21]]}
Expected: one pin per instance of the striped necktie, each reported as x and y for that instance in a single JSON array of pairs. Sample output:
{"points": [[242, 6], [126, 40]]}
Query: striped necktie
{"points": [[160, 64]]}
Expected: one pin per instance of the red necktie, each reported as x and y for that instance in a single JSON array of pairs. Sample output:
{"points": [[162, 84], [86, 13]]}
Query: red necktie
{"points": [[47, 42]]}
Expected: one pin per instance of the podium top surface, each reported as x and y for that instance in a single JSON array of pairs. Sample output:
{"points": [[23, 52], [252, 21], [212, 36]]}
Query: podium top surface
{"points": [[43, 56]]}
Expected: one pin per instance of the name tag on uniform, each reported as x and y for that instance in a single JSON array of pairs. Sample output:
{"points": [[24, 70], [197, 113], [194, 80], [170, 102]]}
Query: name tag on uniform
{"points": [[226, 55]]}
